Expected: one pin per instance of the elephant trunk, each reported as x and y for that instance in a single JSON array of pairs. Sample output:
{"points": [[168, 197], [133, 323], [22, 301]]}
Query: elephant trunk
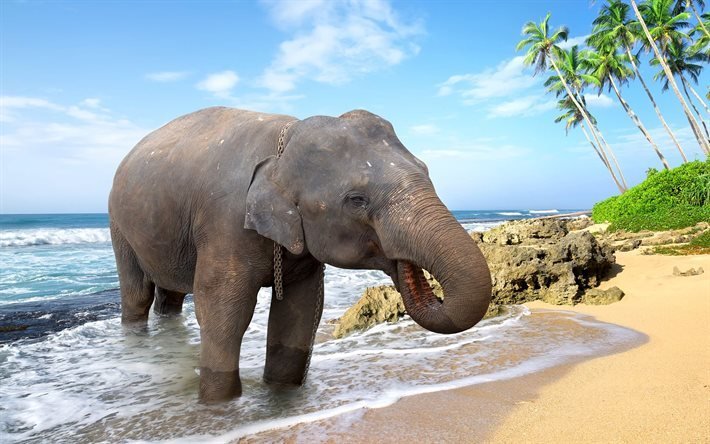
{"points": [[425, 235]]}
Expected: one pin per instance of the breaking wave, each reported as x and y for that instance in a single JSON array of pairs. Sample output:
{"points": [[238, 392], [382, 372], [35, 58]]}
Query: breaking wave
{"points": [[53, 236], [543, 211]]}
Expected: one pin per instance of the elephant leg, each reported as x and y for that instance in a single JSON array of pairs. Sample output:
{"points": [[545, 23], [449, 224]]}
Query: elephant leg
{"points": [[224, 305], [292, 328], [136, 289], [168, 302]]}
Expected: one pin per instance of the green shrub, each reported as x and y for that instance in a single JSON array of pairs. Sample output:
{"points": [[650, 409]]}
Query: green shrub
{"points": [[666, 200]]}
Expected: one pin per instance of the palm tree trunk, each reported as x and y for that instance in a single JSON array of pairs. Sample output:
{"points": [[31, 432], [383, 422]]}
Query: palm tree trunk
{"points": [[697, 16], [701, 141], [700, 99], [613, 157], [601, 154], [604, 161], [586, 119], [638, 123], [685, 90], [653, 102]]}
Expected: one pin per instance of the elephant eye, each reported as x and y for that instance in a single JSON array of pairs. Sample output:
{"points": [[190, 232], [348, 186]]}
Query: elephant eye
{"points": [[358, 200]]}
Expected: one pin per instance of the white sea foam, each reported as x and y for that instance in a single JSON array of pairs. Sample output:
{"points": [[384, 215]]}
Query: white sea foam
{"points": [[510, 213], [543, 211], [53, 236]]}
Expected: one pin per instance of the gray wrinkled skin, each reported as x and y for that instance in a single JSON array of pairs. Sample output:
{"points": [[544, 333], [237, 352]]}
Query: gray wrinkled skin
{"points": [[196, 206]]}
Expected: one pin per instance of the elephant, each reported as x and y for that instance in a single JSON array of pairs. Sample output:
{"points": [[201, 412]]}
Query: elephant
{"points": [[198, 205]]}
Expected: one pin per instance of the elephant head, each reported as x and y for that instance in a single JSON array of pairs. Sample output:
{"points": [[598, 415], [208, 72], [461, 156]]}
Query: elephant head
{"points": [[348, 192]]}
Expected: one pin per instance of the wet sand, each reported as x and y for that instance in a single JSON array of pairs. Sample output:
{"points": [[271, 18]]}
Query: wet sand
{"points": [[658, 391]]}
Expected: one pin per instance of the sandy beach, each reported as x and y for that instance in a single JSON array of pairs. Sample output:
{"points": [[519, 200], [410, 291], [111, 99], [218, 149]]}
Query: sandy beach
{"points": [[657, 391]]}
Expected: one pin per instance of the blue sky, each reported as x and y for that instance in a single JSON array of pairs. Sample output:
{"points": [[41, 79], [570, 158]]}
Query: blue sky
{"points": [[81, 82]]}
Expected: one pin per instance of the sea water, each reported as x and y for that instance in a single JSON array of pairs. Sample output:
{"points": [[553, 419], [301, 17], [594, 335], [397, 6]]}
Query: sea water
{"points": [[73, 374]]}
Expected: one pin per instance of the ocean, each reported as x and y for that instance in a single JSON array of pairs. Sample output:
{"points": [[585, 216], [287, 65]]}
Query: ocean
{"points": [[69, 372]]}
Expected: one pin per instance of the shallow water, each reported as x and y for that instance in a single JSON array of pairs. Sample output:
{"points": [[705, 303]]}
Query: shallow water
{"points": [[95, 382], [77, 376]]}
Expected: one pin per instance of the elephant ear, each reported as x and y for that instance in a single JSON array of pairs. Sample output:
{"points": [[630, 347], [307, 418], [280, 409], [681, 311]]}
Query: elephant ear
{"points": [[270, 212]]}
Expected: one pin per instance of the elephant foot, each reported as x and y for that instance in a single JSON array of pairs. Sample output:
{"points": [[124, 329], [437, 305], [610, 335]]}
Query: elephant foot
{"points": [[286, 365], [216, 387]]}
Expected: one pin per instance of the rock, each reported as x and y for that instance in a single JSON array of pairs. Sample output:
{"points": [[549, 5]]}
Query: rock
{"points": [[596, 296], [579, 223], [629, 245], [477, 236], [528, 260], [377, 305], [652, 238], [667, 237], [689, 272], [598, 229], [555, 272], [515, 232]]}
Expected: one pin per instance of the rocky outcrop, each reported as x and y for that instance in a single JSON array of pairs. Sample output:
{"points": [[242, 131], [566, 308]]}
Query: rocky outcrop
{"points": [[541, 259], [626, 241], [689, 272], [529, 260], [579, 223], [596, 296], [377, 305]]}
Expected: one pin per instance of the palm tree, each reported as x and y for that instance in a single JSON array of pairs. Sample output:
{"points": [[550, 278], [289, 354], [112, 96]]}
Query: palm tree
{"points": [[607, 65], [701, 4], [542, 47], [570, 64], [664, 27], [680, 61], [572, 118], [614, 27], [702, 41]]}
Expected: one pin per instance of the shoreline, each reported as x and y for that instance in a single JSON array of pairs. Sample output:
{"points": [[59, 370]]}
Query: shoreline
{"points": [[658, 391]]}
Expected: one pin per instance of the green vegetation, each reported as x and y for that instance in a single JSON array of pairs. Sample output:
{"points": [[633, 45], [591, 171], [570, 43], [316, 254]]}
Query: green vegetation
{"points": [[673, 33], [666, 200], [699, 245]]}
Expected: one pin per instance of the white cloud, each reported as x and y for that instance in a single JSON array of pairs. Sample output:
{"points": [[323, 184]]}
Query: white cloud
{"points": [[67, 132], [334, 41], [523, 106], [506, 79], [9, 106], [91, 102], [220, 83], [599, 101], [425, 129], [580, 40], [167, 76]]}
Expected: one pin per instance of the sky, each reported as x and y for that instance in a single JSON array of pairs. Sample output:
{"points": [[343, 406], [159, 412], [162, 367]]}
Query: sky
{"points": [[82, 82]]}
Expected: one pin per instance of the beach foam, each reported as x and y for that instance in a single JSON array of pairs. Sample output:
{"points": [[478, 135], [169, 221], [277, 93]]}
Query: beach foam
{"points": [[543, 211]]}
